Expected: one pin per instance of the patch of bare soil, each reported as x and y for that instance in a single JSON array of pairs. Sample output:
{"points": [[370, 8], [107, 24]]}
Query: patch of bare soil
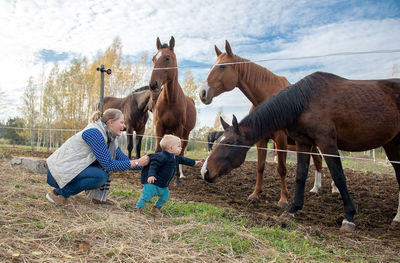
{"points": [[375, 197]]}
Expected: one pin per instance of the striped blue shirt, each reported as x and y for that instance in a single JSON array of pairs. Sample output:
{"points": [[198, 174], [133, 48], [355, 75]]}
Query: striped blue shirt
{"points": [[95, 140]]}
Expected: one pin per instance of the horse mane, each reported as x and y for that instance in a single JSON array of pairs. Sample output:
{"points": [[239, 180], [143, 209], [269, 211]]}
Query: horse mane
{"points": [[165, 45], [252, 73], [283, 109]]}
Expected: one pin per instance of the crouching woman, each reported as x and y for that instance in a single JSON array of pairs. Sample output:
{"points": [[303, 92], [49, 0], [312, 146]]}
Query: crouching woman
{"points": [[86, 160]]}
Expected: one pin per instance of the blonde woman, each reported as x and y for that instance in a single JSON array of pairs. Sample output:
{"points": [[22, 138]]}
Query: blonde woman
{"points": [[86, 160]]}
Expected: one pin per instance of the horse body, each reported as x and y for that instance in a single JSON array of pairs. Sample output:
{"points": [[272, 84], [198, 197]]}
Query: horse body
{"points": [[134, 107], [258, 84], [324, 110], [174, 112], [212, 137]]}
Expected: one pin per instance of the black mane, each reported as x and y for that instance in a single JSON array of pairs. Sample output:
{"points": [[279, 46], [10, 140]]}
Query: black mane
{"points": [[283, 109]]}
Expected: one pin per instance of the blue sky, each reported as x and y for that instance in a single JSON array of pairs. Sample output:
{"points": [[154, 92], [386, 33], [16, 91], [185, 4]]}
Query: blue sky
{"points": [[36, 34]]}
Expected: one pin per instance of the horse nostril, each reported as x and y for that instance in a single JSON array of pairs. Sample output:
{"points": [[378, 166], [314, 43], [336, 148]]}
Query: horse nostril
{"points": [[203, 93]]}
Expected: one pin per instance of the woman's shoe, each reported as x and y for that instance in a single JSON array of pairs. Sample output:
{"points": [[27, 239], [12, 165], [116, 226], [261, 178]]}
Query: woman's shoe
{"points": [[57, 199]]}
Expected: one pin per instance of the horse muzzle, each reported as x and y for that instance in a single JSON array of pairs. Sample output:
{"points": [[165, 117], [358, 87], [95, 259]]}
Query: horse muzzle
{"points": [[204, 96], [154, 86]]}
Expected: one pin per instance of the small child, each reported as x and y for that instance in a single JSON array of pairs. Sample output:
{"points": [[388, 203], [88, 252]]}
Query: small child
{"points": [[157, 175]]}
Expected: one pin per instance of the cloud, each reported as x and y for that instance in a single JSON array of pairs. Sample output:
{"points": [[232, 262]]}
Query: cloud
{"points": [[34, 34]]}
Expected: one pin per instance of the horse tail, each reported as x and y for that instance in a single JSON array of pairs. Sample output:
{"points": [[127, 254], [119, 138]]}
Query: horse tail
{"points": [[283, 109]]}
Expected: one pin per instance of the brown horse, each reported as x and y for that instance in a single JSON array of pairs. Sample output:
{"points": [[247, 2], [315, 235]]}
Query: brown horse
{"points": [[325, 110], [174, 112], [135, 107], [258, 84]]}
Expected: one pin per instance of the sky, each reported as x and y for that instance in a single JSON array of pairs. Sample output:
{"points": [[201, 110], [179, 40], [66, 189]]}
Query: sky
{"points": [[36, 34]]}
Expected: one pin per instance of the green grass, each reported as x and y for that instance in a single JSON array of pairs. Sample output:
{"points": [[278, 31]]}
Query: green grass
{"points": [[227, 232]]}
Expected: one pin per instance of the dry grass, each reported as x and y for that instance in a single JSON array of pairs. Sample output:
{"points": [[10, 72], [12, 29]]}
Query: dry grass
{"points": [[34, 230]]}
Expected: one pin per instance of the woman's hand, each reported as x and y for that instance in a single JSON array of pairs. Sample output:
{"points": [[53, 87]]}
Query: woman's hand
{"points": [[142, 161], [151, 179]]}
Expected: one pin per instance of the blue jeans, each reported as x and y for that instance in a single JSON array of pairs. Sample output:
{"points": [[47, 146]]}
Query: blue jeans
{"points": [[151, 190], [90, 178]]}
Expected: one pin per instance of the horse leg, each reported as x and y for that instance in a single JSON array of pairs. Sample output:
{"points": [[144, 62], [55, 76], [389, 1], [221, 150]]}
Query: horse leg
{"points": [[317, 160], [281, 142], [392, 150], [275, 151], [303, 163], [184, 142], [139, 137], [129, 134], [336, 170], [261, 157], [159, 134]]}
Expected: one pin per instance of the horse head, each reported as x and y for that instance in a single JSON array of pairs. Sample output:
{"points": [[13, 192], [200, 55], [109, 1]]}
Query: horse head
{"points": [[222, 76], [229, 152], [164, 65]]}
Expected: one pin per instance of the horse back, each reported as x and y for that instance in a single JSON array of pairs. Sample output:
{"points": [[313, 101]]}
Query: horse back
{"points": [[363, 114]]}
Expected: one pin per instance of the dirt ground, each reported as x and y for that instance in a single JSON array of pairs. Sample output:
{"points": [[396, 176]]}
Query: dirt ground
{"points": [[375, 197]]}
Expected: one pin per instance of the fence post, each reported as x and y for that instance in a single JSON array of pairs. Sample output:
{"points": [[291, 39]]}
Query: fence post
{"points": [[102, 70]]}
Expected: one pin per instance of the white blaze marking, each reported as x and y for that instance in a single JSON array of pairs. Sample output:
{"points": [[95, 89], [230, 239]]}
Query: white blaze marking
{"points": [[159, 54], [204, 168], [205, 86]]}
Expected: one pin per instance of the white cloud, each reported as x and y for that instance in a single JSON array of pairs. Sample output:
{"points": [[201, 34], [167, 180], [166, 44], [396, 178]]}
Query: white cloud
{"points": [[257, 30]]}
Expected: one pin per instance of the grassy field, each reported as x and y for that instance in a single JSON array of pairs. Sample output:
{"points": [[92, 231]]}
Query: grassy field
{"points": [[34, 230]]}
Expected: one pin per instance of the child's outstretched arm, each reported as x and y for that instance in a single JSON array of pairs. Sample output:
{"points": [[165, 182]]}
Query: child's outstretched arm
{"points": [[199, 163]]}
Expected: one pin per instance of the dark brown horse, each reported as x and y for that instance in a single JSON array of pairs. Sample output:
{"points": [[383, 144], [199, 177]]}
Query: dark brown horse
{"points": [[317, 159], [174, 112], [135, 107], [212, 137], [258, 84], [325, 110]]}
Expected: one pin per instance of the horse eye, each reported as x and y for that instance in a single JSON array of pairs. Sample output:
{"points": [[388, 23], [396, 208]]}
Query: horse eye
{"points": [[222, 66]]}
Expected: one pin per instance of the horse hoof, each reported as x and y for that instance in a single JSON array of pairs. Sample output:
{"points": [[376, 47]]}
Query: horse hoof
{"points": [[395, 225], [178, 184], [314, 190], [182, 176], [287, 215], [347, 226], [283, 205], [253, 198]]}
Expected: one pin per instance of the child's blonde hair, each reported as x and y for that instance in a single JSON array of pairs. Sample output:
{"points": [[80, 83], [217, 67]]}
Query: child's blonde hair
{"points": [[168, 140]]}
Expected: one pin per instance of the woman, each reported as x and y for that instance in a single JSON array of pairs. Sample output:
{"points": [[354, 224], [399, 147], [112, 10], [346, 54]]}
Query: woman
{"points": [[86, 160]]}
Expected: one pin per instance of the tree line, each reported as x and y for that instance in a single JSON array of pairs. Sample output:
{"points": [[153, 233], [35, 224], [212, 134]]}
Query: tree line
{"points": [[58, 105]]}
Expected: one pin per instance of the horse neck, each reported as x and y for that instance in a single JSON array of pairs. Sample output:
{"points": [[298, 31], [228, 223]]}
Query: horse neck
{"points": [[258, 83], [172, 90]]}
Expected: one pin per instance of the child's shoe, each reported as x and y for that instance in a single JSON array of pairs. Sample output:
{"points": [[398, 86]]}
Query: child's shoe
{"points": [[156, 211], [138, 211]]}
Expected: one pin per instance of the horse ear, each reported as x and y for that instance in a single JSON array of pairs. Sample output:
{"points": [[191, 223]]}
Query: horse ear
{"points": [[223, 123], [235, 123], [217, 51], [172, 43], [228, 48], [158, 44]]}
